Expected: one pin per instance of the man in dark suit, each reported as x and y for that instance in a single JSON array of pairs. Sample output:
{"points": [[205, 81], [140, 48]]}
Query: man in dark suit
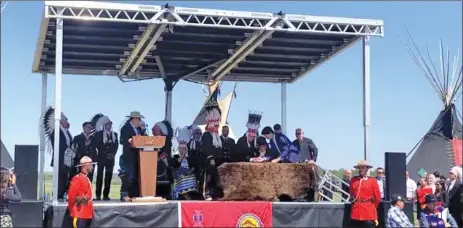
{"points": [[228, 146], [461, 202], [83, 146], [453, 189], [130, 155], [106, 143], [307, 149]]}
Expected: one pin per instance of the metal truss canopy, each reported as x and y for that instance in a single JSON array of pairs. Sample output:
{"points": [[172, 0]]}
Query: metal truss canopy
{"points": [[142, 42]]}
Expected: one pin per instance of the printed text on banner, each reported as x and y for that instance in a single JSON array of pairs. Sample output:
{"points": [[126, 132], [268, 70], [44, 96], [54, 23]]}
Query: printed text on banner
{"points": [[226, 214]]}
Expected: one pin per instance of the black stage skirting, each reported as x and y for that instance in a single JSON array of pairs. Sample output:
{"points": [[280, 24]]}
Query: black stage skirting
{"points": [[27, 213], [117, 214], [321, 214], [171, 214]]}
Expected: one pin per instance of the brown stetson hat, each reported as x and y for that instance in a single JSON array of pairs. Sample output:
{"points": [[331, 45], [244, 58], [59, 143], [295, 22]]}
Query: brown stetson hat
{"points": [[362, 163]]}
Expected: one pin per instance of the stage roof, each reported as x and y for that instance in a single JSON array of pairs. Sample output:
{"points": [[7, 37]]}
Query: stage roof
{"points": [[138, 42]]}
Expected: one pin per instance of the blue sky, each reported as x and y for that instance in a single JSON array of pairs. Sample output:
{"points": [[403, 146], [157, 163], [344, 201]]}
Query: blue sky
{"points": [[327, 104]]}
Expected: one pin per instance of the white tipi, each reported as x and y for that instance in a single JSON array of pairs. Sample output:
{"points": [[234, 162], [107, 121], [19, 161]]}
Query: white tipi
{"points": [[224, 105]]}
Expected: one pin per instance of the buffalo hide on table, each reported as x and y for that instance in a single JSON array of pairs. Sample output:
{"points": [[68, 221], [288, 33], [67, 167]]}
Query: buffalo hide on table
{"points": [[263, 181]]}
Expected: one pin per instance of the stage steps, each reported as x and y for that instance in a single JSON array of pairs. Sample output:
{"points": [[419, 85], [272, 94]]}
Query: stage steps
{"points": [[330, 187]]}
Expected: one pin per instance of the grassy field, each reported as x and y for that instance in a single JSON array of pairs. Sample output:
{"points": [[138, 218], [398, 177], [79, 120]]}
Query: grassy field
{"points": [[113, 194]]}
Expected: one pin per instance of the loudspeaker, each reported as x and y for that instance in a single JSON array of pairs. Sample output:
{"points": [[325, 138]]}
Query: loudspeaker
{"points": [[27, 213], [26, 169], [395, 169]]}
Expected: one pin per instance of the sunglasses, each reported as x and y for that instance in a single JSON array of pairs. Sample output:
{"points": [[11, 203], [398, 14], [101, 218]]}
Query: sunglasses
{"points": [[298, 133]]}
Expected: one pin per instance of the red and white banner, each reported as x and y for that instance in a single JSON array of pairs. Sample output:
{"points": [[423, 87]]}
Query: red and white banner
{"points": [[226, 214]]}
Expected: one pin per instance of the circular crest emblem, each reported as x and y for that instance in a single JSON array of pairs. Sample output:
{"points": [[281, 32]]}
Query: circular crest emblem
{"points": [[249, 220]]}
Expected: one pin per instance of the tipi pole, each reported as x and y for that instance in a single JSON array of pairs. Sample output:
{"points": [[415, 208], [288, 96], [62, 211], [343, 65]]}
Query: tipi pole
{"points": [[366, 97]]}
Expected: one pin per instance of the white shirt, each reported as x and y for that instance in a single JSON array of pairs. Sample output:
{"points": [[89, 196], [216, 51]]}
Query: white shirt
{"points": [[135, 129], [381, 186], [411, 188], [268, 143]]}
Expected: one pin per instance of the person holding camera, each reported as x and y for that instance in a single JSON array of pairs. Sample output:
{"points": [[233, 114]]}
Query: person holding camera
{"points": [[80, 200], [9, 192]]}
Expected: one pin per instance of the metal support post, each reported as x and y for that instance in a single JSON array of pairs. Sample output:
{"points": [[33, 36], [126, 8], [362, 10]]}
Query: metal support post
{"points": [[366, 97], [169, 86], [58, 88], [43, 108], [283, 108]]}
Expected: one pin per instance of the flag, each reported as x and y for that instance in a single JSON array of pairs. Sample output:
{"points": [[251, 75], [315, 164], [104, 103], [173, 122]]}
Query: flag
{"points": [[226, 214]]}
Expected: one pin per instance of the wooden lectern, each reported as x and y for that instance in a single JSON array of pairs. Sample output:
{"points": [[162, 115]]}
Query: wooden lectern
{"points": [[149, 147]]}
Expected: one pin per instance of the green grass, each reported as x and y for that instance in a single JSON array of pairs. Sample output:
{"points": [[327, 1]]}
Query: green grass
{"points": [[113, 194]]}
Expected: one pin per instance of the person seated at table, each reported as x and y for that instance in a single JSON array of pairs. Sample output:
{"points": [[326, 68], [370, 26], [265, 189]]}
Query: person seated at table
{"points": [[263, 154], [184, 184], [434, 216], [289, 154]]}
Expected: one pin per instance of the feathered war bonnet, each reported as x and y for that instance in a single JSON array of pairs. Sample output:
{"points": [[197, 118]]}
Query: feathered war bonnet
{"points": [[47, 122], [99, 121], [213, 112], [182, 134], [166, 128], [253, 123], [194, 128]]}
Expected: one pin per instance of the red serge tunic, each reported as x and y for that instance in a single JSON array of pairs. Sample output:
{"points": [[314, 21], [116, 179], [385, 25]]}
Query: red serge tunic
{"points": [[80, 186], [366, 198]]}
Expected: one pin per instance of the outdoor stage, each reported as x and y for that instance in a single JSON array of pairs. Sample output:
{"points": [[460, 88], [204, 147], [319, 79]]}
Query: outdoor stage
{"points": [[209, 214]]}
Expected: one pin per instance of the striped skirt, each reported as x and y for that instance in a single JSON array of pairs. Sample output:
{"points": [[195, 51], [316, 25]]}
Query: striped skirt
{"points": [[183, 184]]}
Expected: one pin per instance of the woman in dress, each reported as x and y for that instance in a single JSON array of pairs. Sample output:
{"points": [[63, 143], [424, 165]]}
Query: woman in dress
{"points": [[185, 186], [9, 192]]}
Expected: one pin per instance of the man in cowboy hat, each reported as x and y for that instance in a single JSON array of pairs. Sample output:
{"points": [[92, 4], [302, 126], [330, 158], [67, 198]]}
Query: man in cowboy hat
{"points": [[131, 155], [80, 203], [365, 197]]}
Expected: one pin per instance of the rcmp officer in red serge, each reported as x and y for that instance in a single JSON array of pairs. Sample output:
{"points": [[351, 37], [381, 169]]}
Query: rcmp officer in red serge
{"points": [[365, 197], [80, 197]]}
